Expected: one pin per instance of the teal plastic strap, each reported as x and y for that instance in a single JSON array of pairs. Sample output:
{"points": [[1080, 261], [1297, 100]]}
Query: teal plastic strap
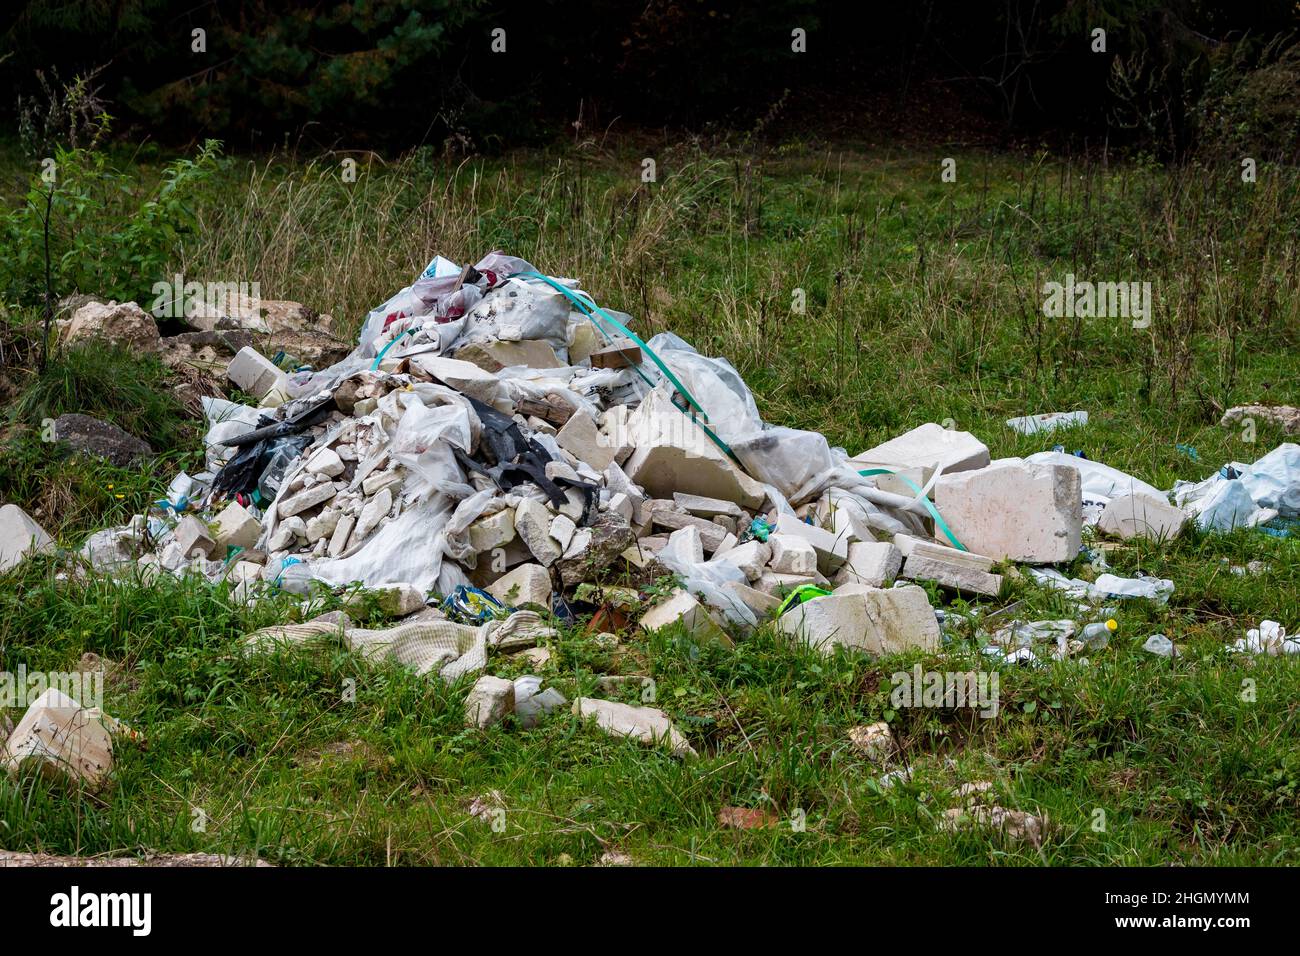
{"points": [[590, 309], [391, 342], [924, 499]]}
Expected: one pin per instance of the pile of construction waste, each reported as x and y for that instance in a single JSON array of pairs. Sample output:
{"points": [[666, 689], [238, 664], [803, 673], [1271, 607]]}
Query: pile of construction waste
{"points": [[497, 445]]}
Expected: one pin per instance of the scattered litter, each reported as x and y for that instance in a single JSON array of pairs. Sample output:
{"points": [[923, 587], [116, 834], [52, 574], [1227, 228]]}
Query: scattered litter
{"points": [[1269, 638], [746, 818], [1160, 645], [1046, 422], [874, 741], [63, 740], [497, 448], [1285, 415]]}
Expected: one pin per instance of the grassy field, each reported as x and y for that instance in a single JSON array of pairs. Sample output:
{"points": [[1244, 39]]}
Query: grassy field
{"points": [[923, 303]]}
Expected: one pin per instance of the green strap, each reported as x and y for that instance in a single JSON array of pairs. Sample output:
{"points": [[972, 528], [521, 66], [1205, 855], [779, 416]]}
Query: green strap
{"points": [[591, 310], [391, 342], [925, 499]]}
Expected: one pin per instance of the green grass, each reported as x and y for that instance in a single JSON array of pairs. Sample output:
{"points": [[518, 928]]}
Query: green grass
{"points": [[923, 304]]}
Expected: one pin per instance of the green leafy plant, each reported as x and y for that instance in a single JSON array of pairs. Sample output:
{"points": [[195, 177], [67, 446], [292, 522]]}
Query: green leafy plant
{"points": [[85, 225]]}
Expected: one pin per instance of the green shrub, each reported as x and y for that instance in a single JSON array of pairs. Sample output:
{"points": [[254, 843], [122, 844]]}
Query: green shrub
{"points": [[109, 232]]}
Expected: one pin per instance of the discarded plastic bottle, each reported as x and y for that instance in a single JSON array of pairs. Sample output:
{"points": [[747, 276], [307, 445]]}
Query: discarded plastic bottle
{"points": [[1098, 635]]}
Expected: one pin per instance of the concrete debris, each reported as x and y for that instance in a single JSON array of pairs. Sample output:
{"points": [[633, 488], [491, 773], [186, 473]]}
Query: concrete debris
{"points": [[872, 563], [684, 607], [648, 725], [20, 537], [62, 740], [1287, 416], [489, 701], [1013, 510], [235, 527], [483, 435], [1046, 422], [960, 571], [873, 620], [1141, 516], [873, 741], [524, 585], [926, 448]]}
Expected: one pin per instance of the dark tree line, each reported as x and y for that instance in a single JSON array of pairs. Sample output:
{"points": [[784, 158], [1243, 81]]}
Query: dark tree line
{"points": [[1173, 74]]}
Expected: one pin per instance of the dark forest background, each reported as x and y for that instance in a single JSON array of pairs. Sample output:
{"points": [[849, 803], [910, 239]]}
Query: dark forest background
{"points": [[1176, 75]]}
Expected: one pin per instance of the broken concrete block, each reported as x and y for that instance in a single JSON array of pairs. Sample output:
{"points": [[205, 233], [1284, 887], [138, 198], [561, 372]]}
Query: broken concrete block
{"points": [[526, 584], [323, 525], [607, 537], [394, 600], [647, 724], [494, 356], [63, 739], [583, 439], [1141, 516], [563, 530], [791, 554], [955, 576], [254, 373], [757, 601], [533, 525], [583, 340], [465, 377], [832, 549], [703, 507], [192, 535], [711, 535], [308, 498], [236, 528], [662, 468], [375, 511], [20, 537], [772, 582], [492, 531], [342, 532], [672, 453], [686, 543], [489, 701], [879, 621], [694, 616], [926, 448], [873, 741], [960, 570], [1012, 509], [871, 563], [751, 558], [621, 505], [325, 462], [388, 478]]}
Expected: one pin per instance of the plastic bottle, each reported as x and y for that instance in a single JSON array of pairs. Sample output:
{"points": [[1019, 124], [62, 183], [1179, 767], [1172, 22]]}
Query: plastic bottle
{"points": [[1097, 635]]}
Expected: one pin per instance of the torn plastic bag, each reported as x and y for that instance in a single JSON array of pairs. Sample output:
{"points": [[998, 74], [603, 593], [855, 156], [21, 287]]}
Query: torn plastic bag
{"points": [[1100, 483], [786, 458], [517, 310], [1217, 503], [1274, 480], [226, 419], [423, 442], [406, 549], [706, 579], [714, 384]]}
